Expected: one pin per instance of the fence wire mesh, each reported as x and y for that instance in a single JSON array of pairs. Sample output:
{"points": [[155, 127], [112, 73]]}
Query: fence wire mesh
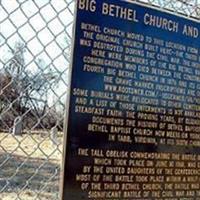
{"points": [[34, 59], [35, 42]]}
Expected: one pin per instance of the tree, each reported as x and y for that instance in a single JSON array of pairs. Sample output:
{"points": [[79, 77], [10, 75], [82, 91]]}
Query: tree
{"points": [[24, 92]]}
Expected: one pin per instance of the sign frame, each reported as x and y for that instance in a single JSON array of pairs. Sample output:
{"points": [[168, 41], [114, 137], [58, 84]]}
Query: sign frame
{"points": [[66, 118]]}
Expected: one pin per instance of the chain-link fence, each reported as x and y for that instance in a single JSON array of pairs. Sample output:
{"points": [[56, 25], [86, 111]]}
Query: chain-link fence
{"points": [[35, 40]]}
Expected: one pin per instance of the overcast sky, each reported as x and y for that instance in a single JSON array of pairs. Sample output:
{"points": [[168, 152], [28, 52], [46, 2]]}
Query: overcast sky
{"points": [[43, 26]]}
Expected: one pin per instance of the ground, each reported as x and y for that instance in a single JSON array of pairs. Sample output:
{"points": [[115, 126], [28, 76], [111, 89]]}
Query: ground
{"points": [[30, 166]]}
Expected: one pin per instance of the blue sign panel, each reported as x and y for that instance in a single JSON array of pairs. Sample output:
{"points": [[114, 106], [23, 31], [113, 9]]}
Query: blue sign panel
{"points": [[134, 107]]}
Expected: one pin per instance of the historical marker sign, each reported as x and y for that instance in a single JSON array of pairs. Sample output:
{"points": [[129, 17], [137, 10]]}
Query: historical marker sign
{"points": [[134, 110]]}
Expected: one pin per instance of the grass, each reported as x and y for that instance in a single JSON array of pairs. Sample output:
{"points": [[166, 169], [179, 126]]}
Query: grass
{"points": [[29, 166]]}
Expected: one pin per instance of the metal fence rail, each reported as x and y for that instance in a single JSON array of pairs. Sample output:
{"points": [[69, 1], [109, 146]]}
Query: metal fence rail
{"points": [[35, 41]]}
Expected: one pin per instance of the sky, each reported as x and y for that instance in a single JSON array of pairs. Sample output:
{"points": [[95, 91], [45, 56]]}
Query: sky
{"points": [[186, 7], [45, 27]]}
